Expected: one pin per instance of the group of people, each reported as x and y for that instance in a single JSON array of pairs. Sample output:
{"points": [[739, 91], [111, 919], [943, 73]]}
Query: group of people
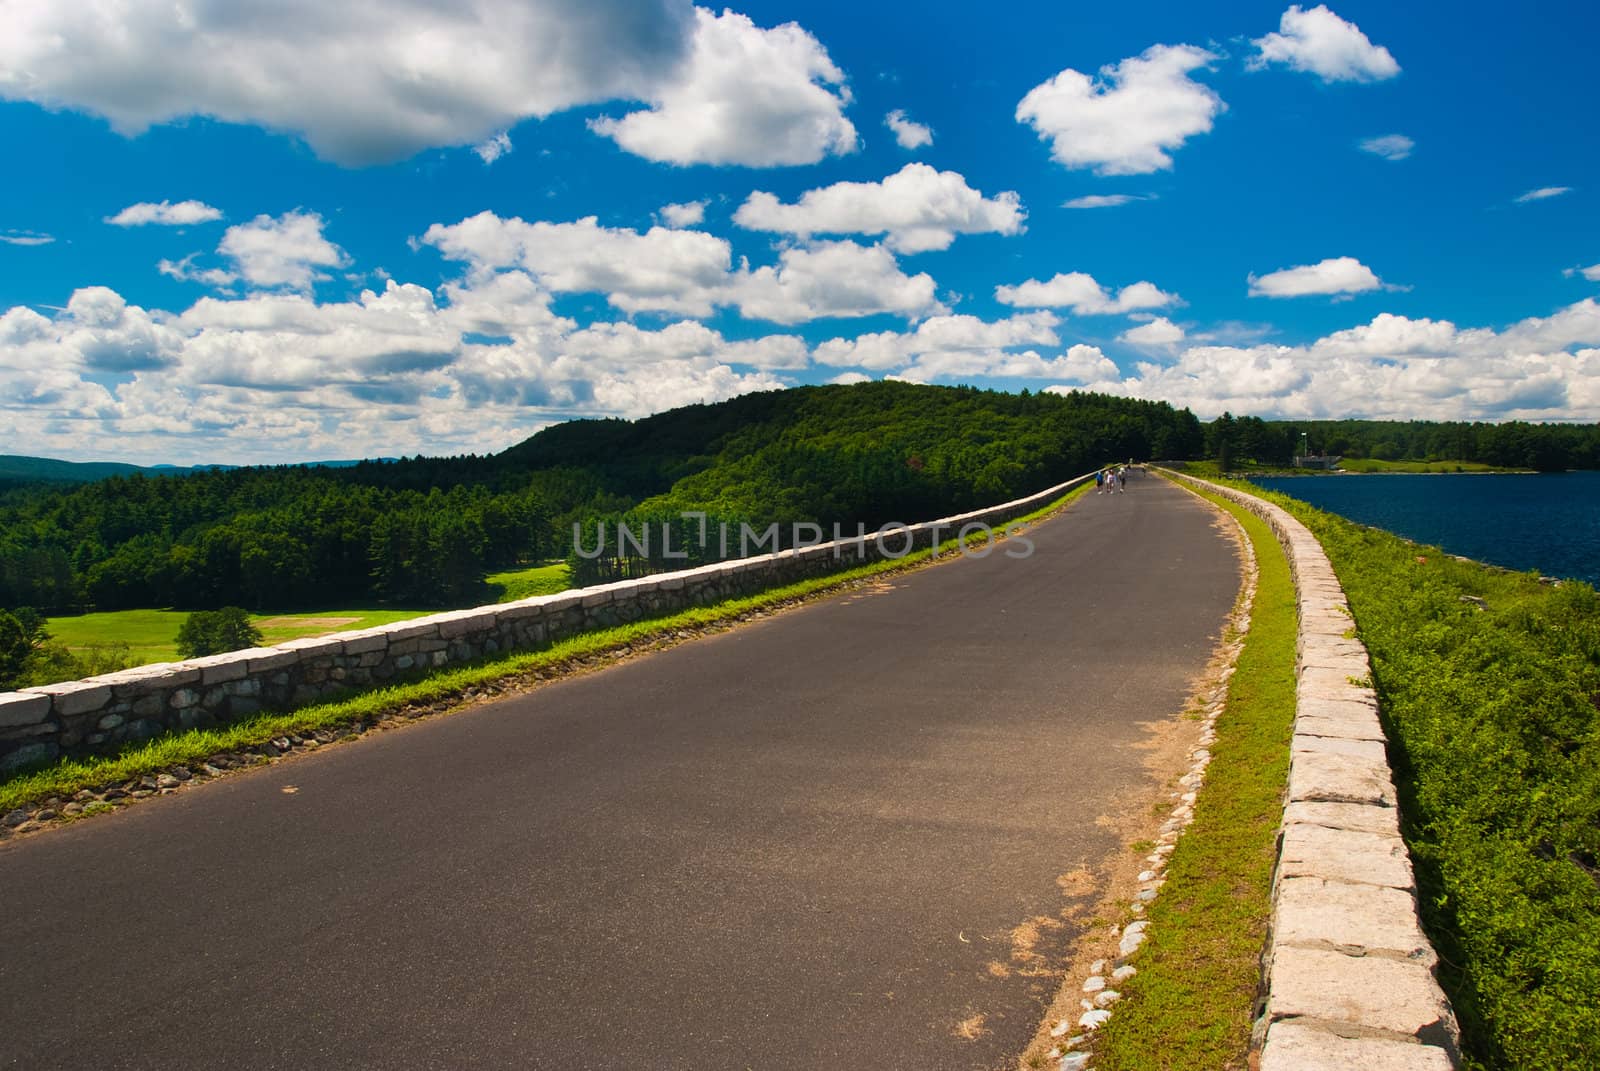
{"points": [[1112, 480]]}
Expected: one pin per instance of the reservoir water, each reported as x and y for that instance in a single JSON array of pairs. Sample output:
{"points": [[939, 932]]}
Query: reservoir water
{"points": [[1548, 522]]}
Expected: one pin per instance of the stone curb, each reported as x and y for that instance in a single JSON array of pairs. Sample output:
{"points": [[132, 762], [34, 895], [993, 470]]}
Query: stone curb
{"points": [[1347, 975]]}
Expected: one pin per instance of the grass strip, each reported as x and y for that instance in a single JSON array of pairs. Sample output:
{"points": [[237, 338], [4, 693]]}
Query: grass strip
{"points": [[67, 776], [1190, 1005]]}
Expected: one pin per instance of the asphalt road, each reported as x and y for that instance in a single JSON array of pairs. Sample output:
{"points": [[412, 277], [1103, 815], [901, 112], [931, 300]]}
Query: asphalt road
{"points": [[802, 844]]}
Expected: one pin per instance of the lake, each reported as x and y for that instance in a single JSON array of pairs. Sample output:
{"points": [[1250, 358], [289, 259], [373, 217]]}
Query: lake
{"points": [[1549, 522]]}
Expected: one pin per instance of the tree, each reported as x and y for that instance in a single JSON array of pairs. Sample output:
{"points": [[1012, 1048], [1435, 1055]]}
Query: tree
{"points": [[15, 647], [207, 632]]}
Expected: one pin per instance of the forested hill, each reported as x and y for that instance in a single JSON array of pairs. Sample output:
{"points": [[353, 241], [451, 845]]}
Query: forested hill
{"points": [[424, 531]]}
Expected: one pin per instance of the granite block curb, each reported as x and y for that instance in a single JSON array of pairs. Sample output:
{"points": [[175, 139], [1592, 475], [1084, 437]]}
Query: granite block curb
{"points": [[1348, 974]]}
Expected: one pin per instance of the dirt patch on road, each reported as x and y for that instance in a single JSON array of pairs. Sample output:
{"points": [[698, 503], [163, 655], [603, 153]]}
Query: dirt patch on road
{"points": [[1099, 898]]}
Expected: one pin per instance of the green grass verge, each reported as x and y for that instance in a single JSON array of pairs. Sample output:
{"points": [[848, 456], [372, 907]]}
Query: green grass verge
{"points": [[1493, 718], [67, 776], [1190, 1005], [151, 635], [547, 579]]}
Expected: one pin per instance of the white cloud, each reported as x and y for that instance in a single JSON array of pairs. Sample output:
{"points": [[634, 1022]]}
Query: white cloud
{"points": [[360, 80], [660, 270], [1158, 332], [279, 376], [689, 272], [1591, 273], [286, 251], [165, 213], [908, 133], [919, 208], [185, 271], [745, 95], [1336, 275], [1106, 200], [1080, 292], [1126, 121], [26, 238], [1389, 146], [947, 334], [688, 214], [1397, 368], [833, 279], [1321, 43], [965, 347], [491, 149], [1543, 193]]}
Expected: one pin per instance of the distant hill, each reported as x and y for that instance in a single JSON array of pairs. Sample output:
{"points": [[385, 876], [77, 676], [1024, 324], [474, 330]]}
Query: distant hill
{"points": [[19, 468]]}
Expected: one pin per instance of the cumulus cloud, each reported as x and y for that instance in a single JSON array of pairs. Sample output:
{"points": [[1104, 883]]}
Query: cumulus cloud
{"points": [[963, 347], [1126, 121], [363, 81], [1336, 275], [1106, 200], [908, 134], [833, 279], [1543, 193], [165, 213], [1541, 368], [285, 251], [1321, 43], [491, 149], [688, 214], [281, 376], [1080, 292], [25, 238], [1591, 273], [689, 272], [745, 95], [659, 270], [918, 208], [1389, 146], [1157, 333]]}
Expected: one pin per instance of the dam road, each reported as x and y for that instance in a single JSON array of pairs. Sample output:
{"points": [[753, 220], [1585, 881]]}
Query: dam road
{"points": [[832, 838]]}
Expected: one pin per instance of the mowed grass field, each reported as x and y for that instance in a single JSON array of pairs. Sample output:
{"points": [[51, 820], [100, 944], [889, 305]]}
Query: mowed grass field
{"points": [[151, 635], [517, 584]]}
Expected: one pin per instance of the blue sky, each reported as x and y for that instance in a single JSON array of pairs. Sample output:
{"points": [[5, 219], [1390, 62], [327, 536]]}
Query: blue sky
{"points": [[248, 232]]}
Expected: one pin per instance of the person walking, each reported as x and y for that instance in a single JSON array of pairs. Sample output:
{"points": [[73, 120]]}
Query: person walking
{"points": [[1099, 481]]}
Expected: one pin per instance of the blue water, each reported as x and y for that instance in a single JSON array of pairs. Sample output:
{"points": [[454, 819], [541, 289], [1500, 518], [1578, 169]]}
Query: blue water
{"points": [[1550, 523]]}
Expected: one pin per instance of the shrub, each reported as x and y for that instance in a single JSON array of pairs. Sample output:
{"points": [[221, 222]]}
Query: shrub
{"points": [[207, 632]]}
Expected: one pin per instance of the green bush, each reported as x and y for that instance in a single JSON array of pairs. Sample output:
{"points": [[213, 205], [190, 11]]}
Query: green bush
{"points": [[1493, 716], [207, 632]]}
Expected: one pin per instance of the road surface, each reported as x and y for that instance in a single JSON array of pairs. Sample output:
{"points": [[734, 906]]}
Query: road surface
{"points": [[806, 843]]}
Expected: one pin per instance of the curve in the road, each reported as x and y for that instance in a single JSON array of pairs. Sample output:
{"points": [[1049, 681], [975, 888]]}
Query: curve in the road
{"points": [[830, 839]]}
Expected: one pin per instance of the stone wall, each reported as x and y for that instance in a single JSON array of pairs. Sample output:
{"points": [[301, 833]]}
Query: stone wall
{"points": [[100, 713], [1348, 976]]}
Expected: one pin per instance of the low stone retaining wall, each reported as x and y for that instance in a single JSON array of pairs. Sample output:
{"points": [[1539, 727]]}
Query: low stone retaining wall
{"points": [[1348, 976], [79, 717]]}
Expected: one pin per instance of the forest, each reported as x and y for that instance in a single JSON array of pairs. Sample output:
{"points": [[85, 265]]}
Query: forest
{"points": [[1513, 444], [424, 531]]}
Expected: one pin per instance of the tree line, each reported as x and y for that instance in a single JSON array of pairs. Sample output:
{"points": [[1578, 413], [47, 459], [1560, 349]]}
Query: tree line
{"points": [[422, 532], [1513, 444]]}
